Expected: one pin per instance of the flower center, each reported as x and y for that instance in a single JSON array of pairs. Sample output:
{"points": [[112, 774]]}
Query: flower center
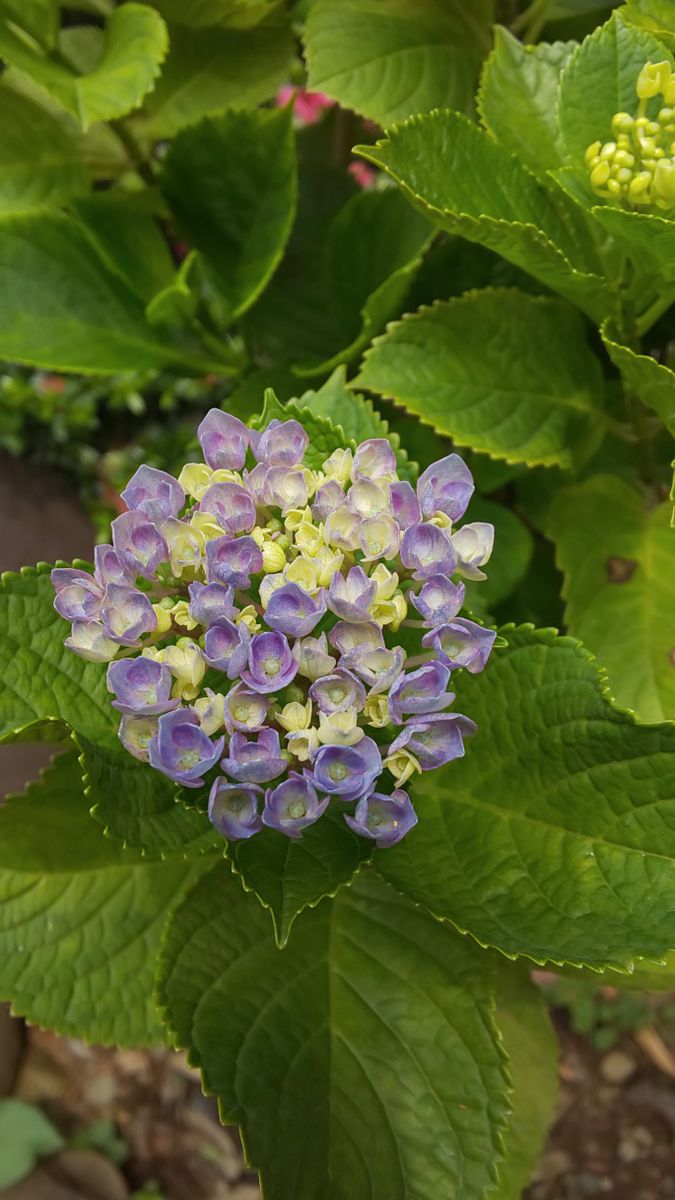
{"points": [[271, 666], [296, 810], [241, 712], [189, 758], [336, 693], [338, 772]]}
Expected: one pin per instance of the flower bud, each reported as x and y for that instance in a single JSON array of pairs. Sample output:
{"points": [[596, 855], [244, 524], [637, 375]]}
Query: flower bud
{"points": [[295, 716], [653, 78]]}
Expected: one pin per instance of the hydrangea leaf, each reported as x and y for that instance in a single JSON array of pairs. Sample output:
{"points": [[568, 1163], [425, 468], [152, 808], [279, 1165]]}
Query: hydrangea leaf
{"points": [[599, 81], [39, 18], [128, 240], [552, 837], [511, 557], [43, 681], [63, 308], [647, 237], [518, 98], [202, 13], [134, 47], [499, 371], [375, 1021], [652, 382], [241, 216], [41, 162], [26, 1136], [388, 59], [357, 416], [532, 1048], [80, 918], [288, 876], [657, 16], [139, 806], [617, 552], [468, 184], [320, 314], [210, 69]]}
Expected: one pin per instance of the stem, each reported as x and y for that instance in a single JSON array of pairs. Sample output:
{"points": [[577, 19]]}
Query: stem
{"points": [[418, 660], [531, 22], [134, 151], [655, 310]]}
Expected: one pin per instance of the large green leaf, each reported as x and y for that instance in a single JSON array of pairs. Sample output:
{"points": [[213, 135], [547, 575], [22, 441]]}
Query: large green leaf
{"points": [[617, 552], [372, 1032], [42, 680], [319, 314], [652, 382], [80, 918], [241, 215], [497, 370], [467, 183], [39, 18], [63, 307], [288, 876], [388, 59], [599, 81], [210, 69], [554, 837], [128, 240], [532, 1048], [139, 806], [202, 13], [658, 16], [134, 47], [41, 162], [519, 95]]}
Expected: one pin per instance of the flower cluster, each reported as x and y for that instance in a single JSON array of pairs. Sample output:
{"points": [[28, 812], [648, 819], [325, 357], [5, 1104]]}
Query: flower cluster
{"points": [[291, 631], [637, 168]]}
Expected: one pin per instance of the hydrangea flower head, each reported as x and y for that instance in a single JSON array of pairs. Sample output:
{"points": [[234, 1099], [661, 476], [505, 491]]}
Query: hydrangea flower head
{"points": [[287, 636]]}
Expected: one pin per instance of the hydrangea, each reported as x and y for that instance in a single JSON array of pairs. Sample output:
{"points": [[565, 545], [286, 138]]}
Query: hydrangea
{"points": [[283, 635]]}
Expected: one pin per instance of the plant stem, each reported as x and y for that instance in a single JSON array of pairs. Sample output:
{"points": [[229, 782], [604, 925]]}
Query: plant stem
{"points": [[134, 151], [531, 22]]}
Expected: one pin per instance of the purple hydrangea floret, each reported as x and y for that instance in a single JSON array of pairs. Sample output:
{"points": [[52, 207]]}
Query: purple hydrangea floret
{"points": [[127, 614], [139, 544], [226, 647], [211, 602], [291, 610], [224, 440], [446, 486], [78, 596], [434, 740], [338, 692], [255, 760], [348, 772], [233, 560], [155, 493], [462, 643], [141, 685], [420, 691], [293, 805], [181, 750], [385, 819], [351, 596], [234, 809], [271, 665]]}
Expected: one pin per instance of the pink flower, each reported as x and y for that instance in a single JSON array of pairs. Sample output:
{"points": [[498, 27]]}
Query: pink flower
{"points": [[362, 173], [308, 105]]}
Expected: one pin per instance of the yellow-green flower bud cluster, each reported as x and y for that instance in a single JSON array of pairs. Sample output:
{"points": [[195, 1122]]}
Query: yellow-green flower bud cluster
{"points": [[636, 168]]}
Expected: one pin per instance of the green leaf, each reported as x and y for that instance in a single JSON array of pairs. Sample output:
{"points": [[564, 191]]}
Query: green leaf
{"points": [[357, 416], [80, 918], [43, 681], [320, 314], [288, 876], [514, 546], [39, 18], [26, 1136], [176, 304], [63, 308], [41, 162], [388, 59], [518, 98], [499, 371], [652, 382], [134, 47], [241, 215], [201, 13], [649, 239], [128, 240], [374, 1023], [554, 838], [617, 552], [468, 184], [210, 69], [599, 81], [139, 807], [532, 1049], [657, 16]]}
